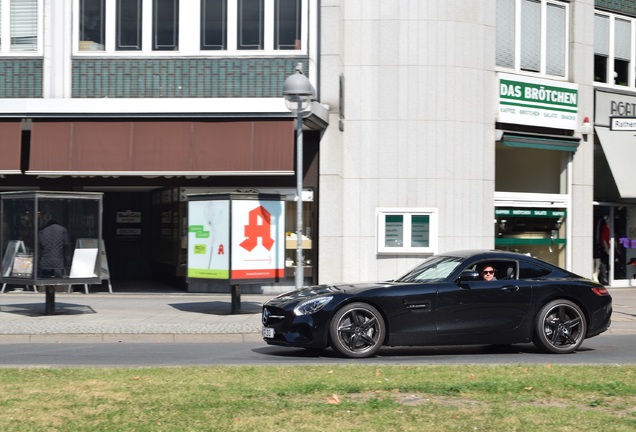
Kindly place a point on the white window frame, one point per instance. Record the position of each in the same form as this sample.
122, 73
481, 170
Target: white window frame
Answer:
5, 44
407, 214
190, 29
544, 36
631, 75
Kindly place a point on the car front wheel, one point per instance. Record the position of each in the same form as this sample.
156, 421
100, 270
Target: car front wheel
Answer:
560, 327
357, 330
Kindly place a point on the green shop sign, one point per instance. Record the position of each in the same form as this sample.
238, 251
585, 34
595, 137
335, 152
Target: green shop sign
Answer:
537, 102
533, 213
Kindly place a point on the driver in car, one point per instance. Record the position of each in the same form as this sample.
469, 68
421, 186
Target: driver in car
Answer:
488, 273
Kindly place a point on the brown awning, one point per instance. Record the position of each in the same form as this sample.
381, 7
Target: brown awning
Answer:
10, 142
162, 147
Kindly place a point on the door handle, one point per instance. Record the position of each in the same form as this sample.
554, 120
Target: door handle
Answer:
510, 288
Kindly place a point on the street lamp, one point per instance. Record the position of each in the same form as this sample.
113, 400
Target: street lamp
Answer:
298, 93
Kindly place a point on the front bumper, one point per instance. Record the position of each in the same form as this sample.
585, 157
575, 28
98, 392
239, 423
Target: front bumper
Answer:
291, 330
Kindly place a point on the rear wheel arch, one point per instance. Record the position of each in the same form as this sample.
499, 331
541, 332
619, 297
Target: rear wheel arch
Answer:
574, 300
560, 326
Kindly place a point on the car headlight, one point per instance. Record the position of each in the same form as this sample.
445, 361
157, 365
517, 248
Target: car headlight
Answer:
310, 306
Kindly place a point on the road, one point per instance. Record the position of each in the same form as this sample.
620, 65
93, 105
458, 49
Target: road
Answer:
604, 349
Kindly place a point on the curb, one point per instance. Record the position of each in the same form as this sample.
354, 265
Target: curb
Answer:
130, 338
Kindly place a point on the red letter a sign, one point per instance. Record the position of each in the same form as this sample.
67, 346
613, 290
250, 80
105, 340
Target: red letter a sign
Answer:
255, 229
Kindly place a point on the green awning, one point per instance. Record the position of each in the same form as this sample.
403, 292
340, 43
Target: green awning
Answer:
540, 142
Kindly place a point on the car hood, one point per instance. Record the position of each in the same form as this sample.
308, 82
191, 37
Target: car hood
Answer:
321, 290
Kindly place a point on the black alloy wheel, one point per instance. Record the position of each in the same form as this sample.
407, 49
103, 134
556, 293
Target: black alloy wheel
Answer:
357, 330
560, 327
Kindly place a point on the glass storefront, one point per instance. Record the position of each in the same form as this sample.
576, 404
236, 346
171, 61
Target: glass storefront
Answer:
615, 244
540, 232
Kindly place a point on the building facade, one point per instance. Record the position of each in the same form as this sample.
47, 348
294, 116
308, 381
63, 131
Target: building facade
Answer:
437, 125
148, 101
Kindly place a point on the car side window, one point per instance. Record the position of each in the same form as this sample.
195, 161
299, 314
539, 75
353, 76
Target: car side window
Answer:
532, 271
509, 270
503, 269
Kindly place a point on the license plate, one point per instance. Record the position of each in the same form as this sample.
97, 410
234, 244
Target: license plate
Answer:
268, 332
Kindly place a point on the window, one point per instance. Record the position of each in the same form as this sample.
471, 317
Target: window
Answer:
128, 25
204, 27
92, 25
213, 24
613, 58
532, 271
165, 25
250, 24
287, 18
407, 230
20, 27
531, 36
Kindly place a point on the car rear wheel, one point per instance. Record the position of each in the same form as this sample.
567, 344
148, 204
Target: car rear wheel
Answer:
560, 327
357, 330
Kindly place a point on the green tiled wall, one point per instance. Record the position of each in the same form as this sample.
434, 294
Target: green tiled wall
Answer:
188, 78
20, 78
627, 7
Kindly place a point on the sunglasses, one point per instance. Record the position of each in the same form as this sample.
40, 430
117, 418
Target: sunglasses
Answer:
488, 272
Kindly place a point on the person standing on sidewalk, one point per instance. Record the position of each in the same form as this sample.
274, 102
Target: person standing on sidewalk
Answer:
55, 250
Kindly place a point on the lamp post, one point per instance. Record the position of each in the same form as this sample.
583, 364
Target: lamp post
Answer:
298, 93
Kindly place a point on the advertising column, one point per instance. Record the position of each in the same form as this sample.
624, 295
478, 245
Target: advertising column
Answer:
236, 239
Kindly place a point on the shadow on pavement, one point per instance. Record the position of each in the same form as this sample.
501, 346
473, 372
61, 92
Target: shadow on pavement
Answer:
430, 351
217, 307
37, 309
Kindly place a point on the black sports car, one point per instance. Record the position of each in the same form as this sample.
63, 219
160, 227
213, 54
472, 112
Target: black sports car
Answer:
445, 301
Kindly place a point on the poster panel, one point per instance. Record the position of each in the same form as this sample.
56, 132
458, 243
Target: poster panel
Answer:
258, 239
208, 239
84, 263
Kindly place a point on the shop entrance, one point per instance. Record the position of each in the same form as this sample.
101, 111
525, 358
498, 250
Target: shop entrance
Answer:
127, 235
615, 244
540, 232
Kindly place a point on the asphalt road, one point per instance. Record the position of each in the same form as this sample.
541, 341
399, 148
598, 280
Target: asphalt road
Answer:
604, 349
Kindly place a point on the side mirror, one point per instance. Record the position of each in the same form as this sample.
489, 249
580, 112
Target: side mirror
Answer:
468, 276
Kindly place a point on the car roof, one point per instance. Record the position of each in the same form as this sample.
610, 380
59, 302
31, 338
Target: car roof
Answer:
483, 253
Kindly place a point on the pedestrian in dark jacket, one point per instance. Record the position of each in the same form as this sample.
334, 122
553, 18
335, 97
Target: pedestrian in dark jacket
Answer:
55, 250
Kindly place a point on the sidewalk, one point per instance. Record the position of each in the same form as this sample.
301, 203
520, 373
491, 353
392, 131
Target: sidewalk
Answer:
170, 317
129, 317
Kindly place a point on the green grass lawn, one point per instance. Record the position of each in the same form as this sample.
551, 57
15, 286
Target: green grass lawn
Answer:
320, 398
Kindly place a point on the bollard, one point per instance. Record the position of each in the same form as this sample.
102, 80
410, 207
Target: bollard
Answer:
236, 299
49, 305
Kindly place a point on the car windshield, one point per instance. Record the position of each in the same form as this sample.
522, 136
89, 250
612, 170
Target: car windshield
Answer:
434, 269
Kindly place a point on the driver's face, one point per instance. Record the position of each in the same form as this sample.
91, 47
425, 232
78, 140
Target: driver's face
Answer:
488, 273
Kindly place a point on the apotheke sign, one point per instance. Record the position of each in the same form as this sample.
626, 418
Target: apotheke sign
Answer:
537, 102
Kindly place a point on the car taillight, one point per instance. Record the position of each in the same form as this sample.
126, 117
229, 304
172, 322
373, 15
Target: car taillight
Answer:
600, 291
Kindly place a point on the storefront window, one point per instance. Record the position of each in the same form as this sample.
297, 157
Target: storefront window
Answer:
291, 242
615, 244
536, 231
